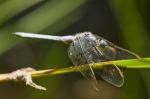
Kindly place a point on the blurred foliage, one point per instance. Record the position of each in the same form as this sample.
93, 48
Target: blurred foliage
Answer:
124, 22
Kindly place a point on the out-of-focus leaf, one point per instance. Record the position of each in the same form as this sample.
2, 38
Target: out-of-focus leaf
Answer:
134, 35
10, 8
48, 14
7, 40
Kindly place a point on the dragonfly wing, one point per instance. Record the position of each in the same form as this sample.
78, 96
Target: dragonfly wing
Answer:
112, 52
112, 73
78, 57
81, 52
88, 48
122, 53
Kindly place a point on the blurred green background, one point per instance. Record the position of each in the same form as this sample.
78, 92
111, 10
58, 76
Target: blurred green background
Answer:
123, 22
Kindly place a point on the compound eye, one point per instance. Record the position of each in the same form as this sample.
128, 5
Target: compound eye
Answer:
86, 34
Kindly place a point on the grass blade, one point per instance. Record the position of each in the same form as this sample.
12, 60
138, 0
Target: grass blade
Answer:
131, 63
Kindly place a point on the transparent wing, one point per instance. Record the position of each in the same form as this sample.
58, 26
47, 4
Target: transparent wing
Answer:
112, 51
80, 54
112, 74
78, 58
89, 48
109, 51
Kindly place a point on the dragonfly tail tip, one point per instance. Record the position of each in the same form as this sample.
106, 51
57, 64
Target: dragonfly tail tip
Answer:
21, 34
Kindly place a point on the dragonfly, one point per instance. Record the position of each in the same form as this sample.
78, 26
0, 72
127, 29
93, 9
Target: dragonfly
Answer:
86, 48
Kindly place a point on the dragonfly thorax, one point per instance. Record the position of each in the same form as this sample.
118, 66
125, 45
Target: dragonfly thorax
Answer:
83, 49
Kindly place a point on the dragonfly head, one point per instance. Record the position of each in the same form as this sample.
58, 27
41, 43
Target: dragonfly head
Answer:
87, 35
